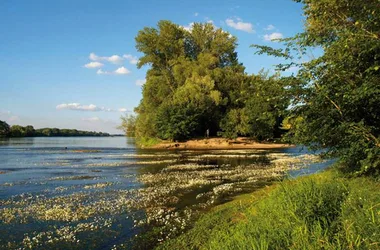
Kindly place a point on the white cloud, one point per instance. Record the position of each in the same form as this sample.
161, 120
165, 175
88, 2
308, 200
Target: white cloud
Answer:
196, 14
91, 119
123, 110
122, 71
273, 36
140, 82
119, 71
269, 27
131, 59
14, 118
102, 72
211, 22
240, 25
93, 65
115, 59
79, 107
94, 57
7, 116
188, 27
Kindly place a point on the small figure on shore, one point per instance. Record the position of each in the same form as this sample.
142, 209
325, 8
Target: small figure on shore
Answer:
207, 133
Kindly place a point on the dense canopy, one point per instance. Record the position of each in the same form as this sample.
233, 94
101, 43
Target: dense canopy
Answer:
336, 96
196, 84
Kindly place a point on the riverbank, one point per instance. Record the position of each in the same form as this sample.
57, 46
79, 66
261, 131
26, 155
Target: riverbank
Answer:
219, 143
321, 211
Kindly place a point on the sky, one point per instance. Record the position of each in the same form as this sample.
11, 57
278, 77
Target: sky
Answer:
72, 63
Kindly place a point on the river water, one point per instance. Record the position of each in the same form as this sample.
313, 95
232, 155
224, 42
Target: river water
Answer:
104, 193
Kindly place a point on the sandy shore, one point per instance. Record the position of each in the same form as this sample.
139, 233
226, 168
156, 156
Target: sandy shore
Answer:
220, 143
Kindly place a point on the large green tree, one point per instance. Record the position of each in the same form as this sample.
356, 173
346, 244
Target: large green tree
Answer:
195, 83
337, 95
188, 83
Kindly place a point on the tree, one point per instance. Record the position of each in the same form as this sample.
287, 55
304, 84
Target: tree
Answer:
337, 95
258, 108
192, 73
4, 129
17, 131
196, 84
128, 125
29, 131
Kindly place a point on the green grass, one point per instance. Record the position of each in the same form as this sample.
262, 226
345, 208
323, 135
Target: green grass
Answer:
147, 141
321, 211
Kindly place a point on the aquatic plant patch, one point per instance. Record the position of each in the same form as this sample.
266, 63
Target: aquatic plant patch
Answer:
148, 201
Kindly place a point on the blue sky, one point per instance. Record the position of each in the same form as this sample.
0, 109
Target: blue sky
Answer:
71, 64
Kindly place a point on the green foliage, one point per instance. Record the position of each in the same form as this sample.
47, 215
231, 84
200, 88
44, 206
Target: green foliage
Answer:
336, 96
67, 132
178, 122
322, 211
29, 131
195, 83
235, 123
18, 131
258, 108
4, 129
147, 141
128, 125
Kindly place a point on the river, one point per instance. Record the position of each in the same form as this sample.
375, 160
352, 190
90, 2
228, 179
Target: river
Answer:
104, 193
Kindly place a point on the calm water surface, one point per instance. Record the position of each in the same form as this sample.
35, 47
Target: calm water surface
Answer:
103, 193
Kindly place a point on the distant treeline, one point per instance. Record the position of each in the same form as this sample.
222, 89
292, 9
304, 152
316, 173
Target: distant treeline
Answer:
29, 131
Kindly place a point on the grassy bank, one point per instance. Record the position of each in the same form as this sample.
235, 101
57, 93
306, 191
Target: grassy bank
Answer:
321, 211
147, 142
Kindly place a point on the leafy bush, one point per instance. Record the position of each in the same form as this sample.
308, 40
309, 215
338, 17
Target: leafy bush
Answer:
178, 122
128, 125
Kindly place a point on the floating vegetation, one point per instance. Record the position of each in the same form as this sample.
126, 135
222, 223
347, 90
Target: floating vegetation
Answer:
72, 178
98, 185
61, 189
226, 156
64, 234
167, 188
159, 193
7, 184
157, 162
110, 164
155, 156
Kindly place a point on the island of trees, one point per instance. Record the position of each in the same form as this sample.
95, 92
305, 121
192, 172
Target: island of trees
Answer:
196, 84
29, 131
